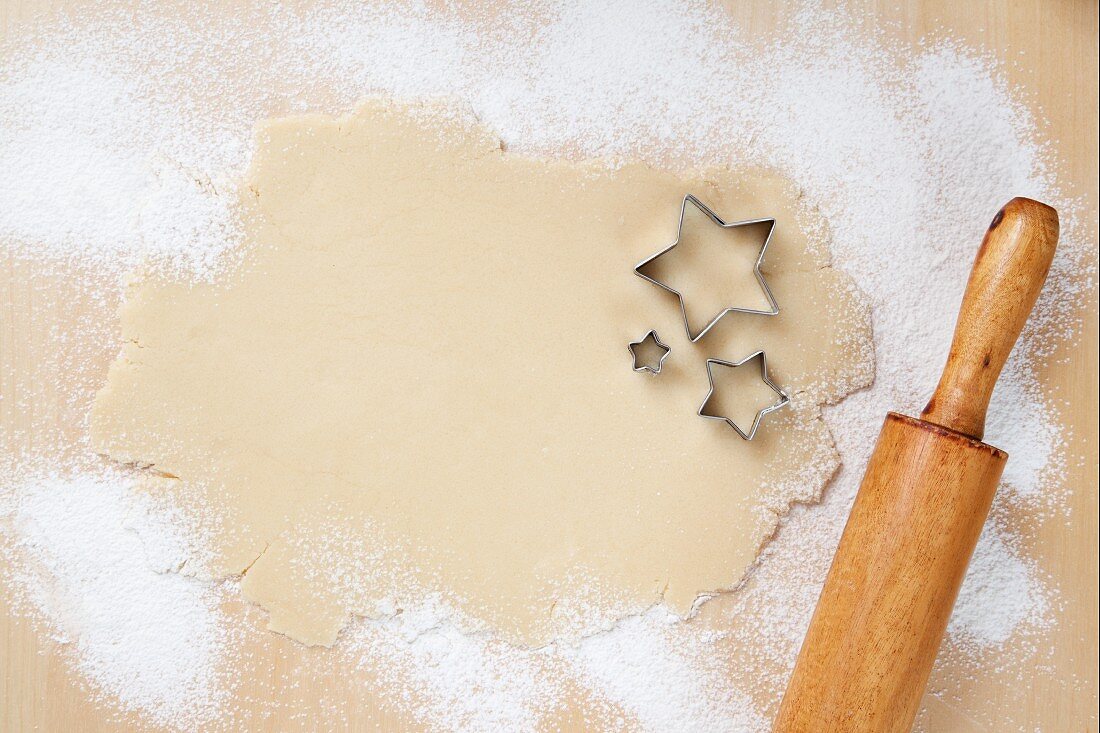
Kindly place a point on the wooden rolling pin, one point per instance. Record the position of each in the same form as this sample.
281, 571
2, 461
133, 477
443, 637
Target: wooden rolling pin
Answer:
876, 630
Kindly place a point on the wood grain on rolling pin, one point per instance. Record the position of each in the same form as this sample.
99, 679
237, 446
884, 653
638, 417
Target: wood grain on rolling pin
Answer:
889, 594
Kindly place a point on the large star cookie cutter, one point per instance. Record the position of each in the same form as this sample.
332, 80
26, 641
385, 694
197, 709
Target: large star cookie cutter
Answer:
691, 199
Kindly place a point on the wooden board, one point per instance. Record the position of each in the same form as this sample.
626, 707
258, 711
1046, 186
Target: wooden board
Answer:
1049, 48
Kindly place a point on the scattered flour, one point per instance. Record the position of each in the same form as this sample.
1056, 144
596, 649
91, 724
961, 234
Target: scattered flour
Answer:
150, 639
447, 679
87, 178
662, 679
1002, 594
122, 136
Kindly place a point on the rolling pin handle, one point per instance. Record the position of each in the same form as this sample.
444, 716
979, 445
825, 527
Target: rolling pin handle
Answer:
1008, 274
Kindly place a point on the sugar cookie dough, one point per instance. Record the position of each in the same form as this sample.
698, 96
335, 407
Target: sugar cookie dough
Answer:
417, 381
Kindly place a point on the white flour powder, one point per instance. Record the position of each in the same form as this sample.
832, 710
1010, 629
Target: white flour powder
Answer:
121, 136
150, 639
1001, 594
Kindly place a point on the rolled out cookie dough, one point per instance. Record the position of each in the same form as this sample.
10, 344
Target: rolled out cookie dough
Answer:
417, 381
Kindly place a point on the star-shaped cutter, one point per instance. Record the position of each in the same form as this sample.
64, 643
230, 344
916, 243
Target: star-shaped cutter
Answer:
690, 198
784, 398
665, 351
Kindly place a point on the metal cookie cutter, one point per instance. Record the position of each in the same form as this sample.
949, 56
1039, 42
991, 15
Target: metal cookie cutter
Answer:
774, 307
648, 366
784, 398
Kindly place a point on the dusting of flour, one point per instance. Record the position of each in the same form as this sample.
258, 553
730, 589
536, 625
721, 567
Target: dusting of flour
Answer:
122, 137
149, 638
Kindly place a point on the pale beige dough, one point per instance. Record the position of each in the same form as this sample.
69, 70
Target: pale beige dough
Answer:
418, 381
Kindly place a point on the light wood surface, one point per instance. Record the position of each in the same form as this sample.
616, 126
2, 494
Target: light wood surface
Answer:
921, 506
1049, 52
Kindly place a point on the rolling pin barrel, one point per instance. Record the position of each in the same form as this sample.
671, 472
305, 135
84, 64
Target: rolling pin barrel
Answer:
918, 513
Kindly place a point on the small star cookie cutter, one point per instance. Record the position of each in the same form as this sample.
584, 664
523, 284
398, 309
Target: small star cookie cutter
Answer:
773, 305
647, 367
784, 398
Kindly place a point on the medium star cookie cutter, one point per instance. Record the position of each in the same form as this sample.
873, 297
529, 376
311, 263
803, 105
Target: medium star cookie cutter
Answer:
773, 305
784, 398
